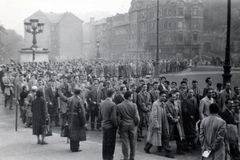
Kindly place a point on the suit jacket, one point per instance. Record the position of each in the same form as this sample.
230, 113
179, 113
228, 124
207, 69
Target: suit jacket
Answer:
154, 95
227, 116
144, 102
183, 94
94, 99
204, 107
190, 108
223, 95
134, 97
104, 93
108, 110
128, 113
173, 112
52, 96
118, 99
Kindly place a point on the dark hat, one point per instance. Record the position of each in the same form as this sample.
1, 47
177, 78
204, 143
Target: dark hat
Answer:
39, 93
77, 91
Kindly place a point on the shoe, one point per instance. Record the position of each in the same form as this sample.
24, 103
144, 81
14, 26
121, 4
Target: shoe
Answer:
93, 129
180, 152
77, 150
139, 140
99, 129
10, 109
38, 142
168, 155
141, 136
147, 151
43, 143
57, 125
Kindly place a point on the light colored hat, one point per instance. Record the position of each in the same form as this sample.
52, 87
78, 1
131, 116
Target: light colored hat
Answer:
34, 88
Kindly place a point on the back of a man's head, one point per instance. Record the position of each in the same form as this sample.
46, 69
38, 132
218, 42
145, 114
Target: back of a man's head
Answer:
214, 108
110, 93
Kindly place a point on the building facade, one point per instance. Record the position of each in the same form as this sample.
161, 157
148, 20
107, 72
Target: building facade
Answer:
62, 35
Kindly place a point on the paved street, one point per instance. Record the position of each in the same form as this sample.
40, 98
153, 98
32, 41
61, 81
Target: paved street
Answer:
21, 145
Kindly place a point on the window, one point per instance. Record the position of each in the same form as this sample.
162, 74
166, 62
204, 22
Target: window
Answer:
180, 25
180, 37
165, 25
195, 37
180, 11
195, 11
195, 25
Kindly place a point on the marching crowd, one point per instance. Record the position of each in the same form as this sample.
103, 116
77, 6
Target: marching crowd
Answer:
113, 97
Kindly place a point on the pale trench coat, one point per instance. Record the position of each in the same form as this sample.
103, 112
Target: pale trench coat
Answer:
158, 119
213, 135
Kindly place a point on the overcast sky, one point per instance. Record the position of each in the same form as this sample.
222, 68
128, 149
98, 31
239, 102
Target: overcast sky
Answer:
13, 12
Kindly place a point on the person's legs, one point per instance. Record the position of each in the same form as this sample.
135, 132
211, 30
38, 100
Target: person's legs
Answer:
38, 139
133, 141
11, 101
165, 144
109, 141
93, 119
124, 132
6, 100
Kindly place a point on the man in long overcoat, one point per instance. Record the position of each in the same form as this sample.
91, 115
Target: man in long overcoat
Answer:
144, 108
175, 127
190, 117
158, 130
76, 121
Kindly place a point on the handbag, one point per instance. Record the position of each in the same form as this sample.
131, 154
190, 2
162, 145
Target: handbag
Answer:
65, 131
46, 130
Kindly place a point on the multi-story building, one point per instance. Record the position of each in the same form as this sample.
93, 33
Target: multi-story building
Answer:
120, 38
180, 28
100, 34
62, 35
138, 28
88, 40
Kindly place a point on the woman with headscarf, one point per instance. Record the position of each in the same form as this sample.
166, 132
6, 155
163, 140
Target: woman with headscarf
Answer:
39, 116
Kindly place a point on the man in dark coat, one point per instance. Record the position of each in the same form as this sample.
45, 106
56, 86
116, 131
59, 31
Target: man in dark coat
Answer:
76, 121
39, 116
52, 102
120, 97
108, 111
94, 100
144, 105
190, 117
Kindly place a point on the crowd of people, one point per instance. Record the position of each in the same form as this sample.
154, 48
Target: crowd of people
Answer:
114, 97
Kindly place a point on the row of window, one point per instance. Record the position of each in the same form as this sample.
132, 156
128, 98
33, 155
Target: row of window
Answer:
179, 38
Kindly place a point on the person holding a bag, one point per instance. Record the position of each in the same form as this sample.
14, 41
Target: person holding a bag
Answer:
76, 120
39, 116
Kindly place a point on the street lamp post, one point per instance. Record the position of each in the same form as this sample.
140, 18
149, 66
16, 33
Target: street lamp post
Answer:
227, 66
98, 53
34, 27
157, 54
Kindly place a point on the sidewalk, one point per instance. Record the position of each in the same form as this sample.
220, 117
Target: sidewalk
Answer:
22, 145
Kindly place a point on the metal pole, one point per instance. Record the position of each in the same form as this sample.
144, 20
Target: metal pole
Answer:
16, 118
227, 66
157, 54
